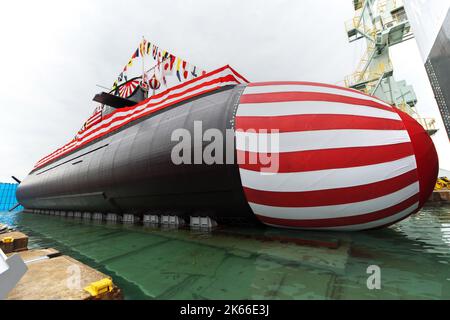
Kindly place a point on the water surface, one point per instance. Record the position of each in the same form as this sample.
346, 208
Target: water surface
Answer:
263, 263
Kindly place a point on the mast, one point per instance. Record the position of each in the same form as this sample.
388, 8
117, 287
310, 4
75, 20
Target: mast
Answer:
142, 48
142, 52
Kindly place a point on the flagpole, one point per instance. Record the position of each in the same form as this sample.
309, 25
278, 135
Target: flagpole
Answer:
142, 56
156, 65
142, 49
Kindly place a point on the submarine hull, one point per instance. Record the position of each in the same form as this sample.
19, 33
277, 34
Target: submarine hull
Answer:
131, 171
338, 160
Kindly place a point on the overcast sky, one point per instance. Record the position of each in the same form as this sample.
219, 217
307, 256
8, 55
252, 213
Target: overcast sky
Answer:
53, 53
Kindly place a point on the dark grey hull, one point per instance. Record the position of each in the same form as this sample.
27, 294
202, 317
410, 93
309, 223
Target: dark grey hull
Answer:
438, 69
130, 171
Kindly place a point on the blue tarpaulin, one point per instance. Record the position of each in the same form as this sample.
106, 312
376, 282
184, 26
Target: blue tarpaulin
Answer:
8, 196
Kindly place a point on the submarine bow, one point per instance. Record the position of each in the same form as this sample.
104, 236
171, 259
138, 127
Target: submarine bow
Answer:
347, 161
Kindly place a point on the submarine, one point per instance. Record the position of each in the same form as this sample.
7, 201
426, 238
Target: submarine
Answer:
303, 155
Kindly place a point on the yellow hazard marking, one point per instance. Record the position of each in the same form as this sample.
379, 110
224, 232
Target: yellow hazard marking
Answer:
99, 287
8, 240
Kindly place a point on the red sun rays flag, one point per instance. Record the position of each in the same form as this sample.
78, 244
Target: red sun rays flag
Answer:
128, 88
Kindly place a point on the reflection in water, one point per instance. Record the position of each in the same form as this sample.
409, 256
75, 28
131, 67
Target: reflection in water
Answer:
265, 263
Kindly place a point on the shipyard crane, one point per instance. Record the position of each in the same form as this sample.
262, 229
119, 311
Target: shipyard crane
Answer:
382, 24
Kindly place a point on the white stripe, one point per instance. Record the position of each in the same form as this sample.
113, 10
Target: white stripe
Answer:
93, 119
317, 140
377, 223
311, 88
365, 226
272, 109
327, 179
337, 211
238, 76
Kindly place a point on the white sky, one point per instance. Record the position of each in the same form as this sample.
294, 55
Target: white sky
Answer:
53, 53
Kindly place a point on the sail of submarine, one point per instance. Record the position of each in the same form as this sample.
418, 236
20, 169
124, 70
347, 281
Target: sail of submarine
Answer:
338, 159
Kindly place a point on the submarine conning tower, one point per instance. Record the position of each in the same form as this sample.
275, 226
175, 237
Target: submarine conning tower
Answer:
307, 155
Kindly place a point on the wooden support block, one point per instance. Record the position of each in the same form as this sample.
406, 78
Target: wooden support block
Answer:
13, 242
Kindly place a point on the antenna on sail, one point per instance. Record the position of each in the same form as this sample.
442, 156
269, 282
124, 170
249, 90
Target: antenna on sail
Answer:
102, 87
144, 42
144, 83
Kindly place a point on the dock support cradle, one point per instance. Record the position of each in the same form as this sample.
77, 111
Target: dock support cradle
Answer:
130, 218
113, 217
150, 218
203, 222
172, 220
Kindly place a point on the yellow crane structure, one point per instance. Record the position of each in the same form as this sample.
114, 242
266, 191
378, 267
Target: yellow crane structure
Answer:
382, 24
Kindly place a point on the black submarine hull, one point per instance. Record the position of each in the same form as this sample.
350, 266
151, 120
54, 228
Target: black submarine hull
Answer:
131, 171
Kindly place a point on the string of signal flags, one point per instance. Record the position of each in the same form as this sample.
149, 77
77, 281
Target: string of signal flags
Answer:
166, 65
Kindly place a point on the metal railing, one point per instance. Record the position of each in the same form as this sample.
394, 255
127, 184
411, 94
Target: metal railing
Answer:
369, 76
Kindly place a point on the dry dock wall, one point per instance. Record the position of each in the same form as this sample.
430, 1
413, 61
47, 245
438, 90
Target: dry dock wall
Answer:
53, 276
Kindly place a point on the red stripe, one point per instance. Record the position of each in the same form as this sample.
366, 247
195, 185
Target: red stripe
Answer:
331, 197
237, 73
343, 221
306, 83
426, 156
65, 147
92, 122
313, 160
96, 116
93, 119
398, 220
311, 122
309, 96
